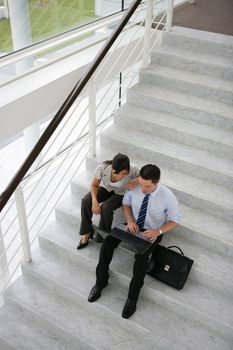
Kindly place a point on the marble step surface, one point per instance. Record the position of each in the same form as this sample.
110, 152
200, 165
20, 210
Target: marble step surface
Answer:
204, 228
200, 41
6, 346
189, 190
184, 131
69, 310
190, 83
181, 104
196, 299
192, 61
196, 219
212, 256
169, 154
25, 331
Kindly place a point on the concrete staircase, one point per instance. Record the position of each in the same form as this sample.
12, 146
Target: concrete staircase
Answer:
179, 117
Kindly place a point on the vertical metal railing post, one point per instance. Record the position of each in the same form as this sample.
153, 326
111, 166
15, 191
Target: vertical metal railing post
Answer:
92, 117
170, 6
120, 75
147, 35
122, 5
4, 272
22, 218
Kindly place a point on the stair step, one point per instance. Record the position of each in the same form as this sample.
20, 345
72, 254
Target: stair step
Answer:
195, 62
76, 269
203, 227
172, 155
187, 82
95, 325
6, 346
25, 331
68, 210
184, 131
181, 104
197, 235
200, 41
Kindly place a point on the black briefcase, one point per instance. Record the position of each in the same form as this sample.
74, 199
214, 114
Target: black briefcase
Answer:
170, 266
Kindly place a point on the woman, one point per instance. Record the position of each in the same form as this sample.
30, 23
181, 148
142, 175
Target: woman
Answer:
110, 180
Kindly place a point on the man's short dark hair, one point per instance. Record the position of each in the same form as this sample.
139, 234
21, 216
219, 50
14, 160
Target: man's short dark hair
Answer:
150, 172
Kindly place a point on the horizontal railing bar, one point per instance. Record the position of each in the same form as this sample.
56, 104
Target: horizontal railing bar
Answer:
80, 138
100, 125
65, 107
59, 39
4, 269
9, 245
55, 60
60, 148
10, 277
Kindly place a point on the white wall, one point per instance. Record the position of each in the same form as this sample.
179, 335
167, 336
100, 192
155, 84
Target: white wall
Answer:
32, 97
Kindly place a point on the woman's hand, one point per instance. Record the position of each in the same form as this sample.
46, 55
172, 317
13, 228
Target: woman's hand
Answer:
132, 184
96, 208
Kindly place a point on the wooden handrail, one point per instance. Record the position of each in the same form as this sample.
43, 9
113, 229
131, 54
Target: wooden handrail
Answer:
7, 193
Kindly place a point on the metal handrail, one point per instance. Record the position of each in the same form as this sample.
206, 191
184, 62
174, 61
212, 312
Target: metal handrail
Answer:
7, 193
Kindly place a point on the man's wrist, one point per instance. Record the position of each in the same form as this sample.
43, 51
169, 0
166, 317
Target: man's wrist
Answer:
129, 220
160, 231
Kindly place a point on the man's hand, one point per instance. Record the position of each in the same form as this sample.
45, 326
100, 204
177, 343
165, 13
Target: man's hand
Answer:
96, 208
132, 227
151, 234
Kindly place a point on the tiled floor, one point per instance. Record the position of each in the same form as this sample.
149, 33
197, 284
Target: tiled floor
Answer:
210, 15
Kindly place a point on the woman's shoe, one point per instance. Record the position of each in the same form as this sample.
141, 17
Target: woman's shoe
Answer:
83, 245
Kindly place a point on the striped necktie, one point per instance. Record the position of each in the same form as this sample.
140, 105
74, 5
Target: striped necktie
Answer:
142, 213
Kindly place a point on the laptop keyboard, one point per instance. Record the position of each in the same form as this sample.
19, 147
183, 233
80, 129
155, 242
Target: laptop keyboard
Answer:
129, 237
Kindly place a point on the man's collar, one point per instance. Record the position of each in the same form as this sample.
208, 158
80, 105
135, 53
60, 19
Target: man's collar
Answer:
154, 193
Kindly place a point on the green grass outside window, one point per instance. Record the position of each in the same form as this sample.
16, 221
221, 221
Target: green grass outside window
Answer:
49, 18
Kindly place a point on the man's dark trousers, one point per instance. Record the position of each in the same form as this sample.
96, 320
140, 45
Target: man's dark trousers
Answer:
139, 270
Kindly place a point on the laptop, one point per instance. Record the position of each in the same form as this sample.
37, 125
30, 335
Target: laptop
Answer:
137, 243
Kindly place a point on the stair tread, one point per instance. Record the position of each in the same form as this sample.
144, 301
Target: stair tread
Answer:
192, 78
187, 76
216, 38
162, 310
6, 345
173, 149
197, 56
182, 99
191, 218
25, 331
75, 315
194, 295
220, 265
175, 122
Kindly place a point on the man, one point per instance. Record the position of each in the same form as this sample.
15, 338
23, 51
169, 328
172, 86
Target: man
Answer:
150, 207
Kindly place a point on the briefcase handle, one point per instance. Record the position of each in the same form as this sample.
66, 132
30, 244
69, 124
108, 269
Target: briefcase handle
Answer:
175, 246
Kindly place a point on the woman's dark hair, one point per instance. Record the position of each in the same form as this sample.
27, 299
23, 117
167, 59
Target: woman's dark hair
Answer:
150, 172
119, 162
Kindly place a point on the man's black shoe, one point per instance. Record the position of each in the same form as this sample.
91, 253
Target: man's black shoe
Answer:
95, 293
129, 308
